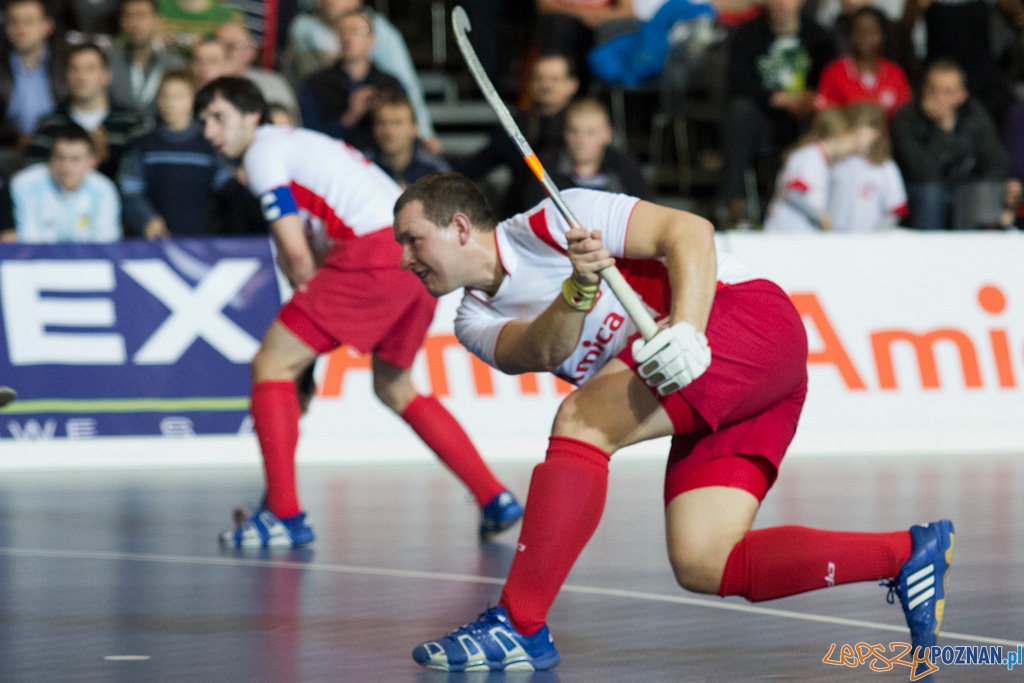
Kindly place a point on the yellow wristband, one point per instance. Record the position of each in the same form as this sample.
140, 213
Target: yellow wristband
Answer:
580, 297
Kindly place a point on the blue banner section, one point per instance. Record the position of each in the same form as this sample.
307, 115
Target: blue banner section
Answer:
135, 338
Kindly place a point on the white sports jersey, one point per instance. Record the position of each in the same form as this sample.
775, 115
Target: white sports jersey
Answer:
339, 194
865, 197
532, 249
805, 173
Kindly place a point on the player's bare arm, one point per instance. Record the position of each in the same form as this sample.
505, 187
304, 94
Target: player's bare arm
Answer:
686, 243
544, 343
293, 252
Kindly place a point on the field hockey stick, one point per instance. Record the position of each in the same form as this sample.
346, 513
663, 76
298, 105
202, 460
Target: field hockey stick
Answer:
623, 292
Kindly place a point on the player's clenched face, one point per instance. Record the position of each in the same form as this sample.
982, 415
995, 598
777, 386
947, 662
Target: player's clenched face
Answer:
228, 130
431, 252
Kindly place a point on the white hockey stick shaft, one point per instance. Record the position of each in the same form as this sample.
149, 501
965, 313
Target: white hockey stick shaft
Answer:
623, 292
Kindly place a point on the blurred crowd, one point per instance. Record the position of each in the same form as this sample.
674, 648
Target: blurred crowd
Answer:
834, 115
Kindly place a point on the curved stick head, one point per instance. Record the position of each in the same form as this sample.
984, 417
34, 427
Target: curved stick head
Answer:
460, 21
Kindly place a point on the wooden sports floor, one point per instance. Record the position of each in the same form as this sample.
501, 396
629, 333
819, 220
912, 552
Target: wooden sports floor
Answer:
116, 577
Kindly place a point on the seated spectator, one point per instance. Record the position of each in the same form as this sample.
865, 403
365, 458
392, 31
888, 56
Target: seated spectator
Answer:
208, 59
947, 149
170, 174
139, 58
111, 127
32, 71
241, 59
864, 75
587, 159
801, 199
397, 148
866, 192
188, 21
65, 200
962, 31
313, 44
775, 61
338, 100
553, 84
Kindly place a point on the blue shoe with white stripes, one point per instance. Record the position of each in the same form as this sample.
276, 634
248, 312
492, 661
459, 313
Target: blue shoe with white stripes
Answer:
502, 512
491, 643
921, 583
263, 529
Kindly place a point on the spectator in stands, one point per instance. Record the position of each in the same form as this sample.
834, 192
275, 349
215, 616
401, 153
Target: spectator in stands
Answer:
397, 148
775, 61
338, 100
864, 75
961, 31
241, 58
801, 199
65, 200
947, 149
587, 159
866, 193
32, 70
208, 59
188, 21
313, 44
171, 174
112, 128
139, 58
553, 84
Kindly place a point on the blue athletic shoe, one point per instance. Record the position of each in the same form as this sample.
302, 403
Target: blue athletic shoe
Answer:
490, 643
264, 530
502, 512
921, 583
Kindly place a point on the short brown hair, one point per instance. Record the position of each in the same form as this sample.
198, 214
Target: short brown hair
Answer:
444, 194
181, 75
393, 99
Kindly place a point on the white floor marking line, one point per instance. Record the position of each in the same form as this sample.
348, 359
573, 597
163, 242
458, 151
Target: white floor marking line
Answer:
127, 658
469, 578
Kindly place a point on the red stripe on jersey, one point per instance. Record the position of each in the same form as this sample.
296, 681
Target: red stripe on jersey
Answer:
318, 206
649, 279
798, 185
539, 225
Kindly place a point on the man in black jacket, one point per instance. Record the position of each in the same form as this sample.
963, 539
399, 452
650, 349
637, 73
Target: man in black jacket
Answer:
946, 146
338, 101
775, 61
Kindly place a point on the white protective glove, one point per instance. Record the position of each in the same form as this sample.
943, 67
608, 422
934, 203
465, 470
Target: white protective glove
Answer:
673, 358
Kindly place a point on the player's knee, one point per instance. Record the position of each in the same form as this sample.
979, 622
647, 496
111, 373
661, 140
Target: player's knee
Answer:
396, 395
698, 566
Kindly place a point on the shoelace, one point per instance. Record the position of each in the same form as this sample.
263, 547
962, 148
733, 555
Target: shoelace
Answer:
894, 590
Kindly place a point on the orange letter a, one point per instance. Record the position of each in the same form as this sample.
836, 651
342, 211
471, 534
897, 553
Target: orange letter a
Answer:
833, 353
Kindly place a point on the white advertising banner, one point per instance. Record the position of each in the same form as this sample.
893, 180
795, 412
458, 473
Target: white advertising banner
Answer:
916, 346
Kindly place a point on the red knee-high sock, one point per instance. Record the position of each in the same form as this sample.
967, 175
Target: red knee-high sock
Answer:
785, 560
275, 413
445, 436
564, 506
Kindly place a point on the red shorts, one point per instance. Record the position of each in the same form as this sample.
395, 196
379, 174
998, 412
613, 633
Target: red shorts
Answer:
383, 311
750, 397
